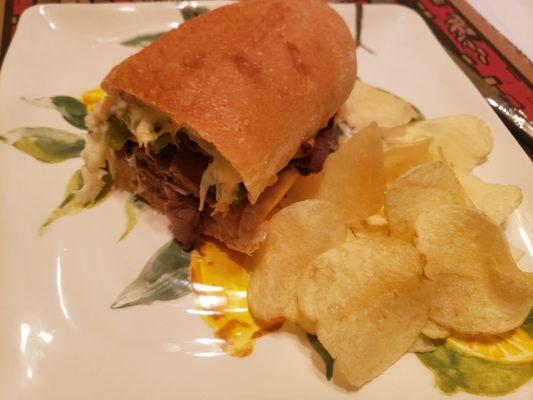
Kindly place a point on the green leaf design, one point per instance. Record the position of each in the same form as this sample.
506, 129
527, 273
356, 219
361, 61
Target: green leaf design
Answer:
142, 40
326, 357
359, 28
164, 277
191, 12
134, 203
358, 23
72, 110
528, 324
455, 371
71, 205
45, 144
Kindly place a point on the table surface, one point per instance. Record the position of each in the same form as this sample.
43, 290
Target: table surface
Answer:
512, 18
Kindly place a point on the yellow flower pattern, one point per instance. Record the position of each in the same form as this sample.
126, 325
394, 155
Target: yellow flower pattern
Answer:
91, 97
219, 284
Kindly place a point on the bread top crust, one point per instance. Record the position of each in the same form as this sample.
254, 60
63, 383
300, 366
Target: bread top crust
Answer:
255, 79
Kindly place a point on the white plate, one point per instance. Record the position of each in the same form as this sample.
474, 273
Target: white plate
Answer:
58, 336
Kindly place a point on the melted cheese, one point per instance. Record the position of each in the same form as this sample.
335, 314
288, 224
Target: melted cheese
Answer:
141, 121
226, 180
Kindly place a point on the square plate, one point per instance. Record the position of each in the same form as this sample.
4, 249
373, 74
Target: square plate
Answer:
58, 336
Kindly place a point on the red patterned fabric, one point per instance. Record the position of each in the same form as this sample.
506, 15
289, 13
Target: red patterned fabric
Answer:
18, 7
478, 53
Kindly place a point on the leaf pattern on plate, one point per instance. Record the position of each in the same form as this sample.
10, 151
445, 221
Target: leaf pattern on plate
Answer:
71, 205
164, 277
359, 29
323, 353
190, 12
142, 40
134, 203
456, 371
45, 144
72, 110
145, 39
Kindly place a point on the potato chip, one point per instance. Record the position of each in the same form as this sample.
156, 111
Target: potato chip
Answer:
463, 141
368, 302
350, 235
516, 252
400, 157
394, 136
296, 235
497, 201
422, 187
433, 330
530, 279
375, 225
353, 178
478, 286
368, 104
422, 344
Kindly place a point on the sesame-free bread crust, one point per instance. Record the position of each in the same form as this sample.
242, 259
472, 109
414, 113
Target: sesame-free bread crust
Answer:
255, 79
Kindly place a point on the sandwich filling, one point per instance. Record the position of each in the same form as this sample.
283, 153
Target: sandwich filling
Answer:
183, 176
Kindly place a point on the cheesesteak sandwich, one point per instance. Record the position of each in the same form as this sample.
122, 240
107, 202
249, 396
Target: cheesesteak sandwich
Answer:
212, 123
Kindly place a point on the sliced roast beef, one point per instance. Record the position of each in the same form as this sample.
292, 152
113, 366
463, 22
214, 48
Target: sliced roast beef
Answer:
314, 153
170, 181
178, 166
185, 219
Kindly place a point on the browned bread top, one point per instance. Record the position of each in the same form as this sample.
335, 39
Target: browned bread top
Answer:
255, 79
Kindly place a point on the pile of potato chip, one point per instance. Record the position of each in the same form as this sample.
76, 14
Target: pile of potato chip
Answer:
394, 243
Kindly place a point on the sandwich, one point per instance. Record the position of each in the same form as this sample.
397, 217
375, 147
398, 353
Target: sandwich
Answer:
213, 122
